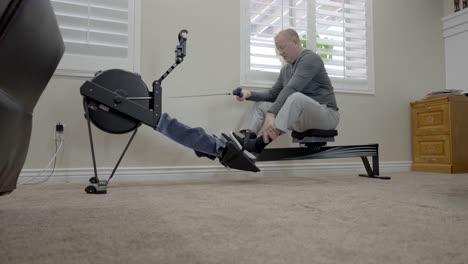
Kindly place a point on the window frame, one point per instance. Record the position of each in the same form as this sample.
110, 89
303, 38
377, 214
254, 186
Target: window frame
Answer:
259, 79
73, 65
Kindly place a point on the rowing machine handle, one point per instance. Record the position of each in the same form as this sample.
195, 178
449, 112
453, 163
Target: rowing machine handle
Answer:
238, 92
182, 46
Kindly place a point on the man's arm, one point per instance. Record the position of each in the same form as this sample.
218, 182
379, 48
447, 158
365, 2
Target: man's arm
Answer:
307, 68
269, 95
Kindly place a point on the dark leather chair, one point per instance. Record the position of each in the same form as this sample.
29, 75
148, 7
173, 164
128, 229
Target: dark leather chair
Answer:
31, 47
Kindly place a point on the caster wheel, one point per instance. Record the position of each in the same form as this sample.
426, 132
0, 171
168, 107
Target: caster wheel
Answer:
93, 180
90, 189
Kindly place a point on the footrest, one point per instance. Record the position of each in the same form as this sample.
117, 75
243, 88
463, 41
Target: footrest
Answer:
234, 157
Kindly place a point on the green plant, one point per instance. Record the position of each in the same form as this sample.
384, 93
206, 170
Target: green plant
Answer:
325, 47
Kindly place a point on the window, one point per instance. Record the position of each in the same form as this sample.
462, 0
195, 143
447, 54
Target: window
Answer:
98, 35
338, 30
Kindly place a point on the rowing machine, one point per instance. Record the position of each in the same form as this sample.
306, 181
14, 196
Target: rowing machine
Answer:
118, 102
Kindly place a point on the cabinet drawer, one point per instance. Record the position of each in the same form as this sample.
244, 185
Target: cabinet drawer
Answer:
432, 149
431, 119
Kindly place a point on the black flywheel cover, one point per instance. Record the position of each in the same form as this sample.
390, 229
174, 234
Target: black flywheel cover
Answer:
124, 83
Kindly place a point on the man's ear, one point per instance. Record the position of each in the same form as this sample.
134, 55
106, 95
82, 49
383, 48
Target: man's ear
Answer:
297, 41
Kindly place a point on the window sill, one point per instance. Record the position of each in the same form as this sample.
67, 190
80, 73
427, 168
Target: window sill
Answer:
74, 73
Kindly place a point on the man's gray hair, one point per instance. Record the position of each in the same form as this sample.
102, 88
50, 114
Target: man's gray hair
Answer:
289, 33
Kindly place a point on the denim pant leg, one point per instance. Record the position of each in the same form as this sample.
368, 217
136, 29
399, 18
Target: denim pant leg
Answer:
193, 138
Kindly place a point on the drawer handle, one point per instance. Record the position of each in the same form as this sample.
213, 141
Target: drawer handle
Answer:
430, 119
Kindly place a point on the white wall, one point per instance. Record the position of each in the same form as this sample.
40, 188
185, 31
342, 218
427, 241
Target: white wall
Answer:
409, 62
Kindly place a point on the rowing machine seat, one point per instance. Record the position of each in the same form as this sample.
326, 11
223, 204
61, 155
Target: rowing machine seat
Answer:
314, 135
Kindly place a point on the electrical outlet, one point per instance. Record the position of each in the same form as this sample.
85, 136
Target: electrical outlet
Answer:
59, 127
59, 131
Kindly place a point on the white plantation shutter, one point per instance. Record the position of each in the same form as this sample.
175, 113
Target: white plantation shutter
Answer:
98, 34
342, 40
338, 30
267, 18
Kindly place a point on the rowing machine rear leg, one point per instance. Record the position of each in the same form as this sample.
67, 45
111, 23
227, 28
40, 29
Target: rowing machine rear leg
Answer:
372, 172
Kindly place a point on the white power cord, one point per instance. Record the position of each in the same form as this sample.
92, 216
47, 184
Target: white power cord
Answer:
58, 138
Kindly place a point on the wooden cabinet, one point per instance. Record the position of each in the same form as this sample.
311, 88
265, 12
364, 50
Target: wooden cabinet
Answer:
440, 134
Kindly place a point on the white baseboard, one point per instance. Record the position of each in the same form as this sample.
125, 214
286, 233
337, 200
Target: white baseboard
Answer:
82, 175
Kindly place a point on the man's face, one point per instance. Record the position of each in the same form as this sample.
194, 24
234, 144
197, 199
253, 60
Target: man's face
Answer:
287, 48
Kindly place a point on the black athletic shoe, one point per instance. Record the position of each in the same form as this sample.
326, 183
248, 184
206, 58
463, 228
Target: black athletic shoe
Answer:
248, 133
201, 155
234, 158
245, 144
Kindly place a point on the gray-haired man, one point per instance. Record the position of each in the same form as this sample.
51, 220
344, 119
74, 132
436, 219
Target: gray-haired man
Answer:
302, 98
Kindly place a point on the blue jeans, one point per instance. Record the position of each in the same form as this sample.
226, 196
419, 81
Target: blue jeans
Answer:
193, 138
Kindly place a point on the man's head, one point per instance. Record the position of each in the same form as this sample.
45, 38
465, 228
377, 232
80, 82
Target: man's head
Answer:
289, 45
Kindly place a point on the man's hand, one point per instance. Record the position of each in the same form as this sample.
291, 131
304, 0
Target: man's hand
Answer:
245, 94
270, 132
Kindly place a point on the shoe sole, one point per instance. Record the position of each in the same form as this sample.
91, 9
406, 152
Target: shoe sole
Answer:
239, 145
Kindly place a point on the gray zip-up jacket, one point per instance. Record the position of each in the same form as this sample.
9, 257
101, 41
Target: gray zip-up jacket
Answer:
306, 75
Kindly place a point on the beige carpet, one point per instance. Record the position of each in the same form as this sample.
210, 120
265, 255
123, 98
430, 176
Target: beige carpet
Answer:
413, 218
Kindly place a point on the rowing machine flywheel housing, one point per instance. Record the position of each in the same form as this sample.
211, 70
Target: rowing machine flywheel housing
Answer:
124, 84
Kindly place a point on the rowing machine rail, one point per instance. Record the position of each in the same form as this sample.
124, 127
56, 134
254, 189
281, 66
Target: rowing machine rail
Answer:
327, 152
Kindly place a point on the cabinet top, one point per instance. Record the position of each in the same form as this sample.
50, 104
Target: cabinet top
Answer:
455, 23
443, 98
